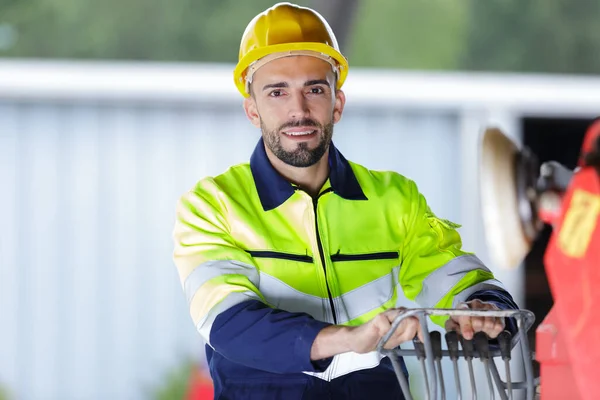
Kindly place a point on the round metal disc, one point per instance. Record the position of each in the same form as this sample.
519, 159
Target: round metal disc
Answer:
506, 238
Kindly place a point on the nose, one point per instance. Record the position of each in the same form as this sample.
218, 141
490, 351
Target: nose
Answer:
298, 107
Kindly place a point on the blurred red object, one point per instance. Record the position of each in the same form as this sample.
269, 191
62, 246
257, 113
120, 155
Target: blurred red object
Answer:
201, 387
567, 340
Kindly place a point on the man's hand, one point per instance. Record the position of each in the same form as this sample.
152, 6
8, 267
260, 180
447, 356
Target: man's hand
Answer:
467, 326
364, 338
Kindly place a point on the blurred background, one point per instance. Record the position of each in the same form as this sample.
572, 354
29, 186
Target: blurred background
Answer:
110, 110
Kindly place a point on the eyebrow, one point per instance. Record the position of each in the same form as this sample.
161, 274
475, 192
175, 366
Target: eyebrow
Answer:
317, 82
285, 84
275, 85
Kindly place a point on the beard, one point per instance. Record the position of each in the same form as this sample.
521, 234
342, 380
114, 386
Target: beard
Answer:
302, 156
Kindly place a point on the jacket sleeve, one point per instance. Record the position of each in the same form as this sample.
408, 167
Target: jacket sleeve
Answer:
221, 284
436, 272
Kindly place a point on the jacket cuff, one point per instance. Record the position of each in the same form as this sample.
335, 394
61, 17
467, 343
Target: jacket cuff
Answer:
304, 343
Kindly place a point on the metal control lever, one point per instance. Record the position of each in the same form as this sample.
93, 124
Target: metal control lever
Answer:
452, 343
468, 351
481, 341
420, 349
436, 343
504, 342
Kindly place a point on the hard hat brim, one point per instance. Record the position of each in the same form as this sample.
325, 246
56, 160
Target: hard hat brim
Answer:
239, 72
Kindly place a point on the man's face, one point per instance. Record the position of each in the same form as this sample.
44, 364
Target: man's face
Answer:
295, 104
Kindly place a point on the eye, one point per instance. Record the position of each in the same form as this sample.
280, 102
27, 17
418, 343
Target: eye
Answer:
275, 93
317, 90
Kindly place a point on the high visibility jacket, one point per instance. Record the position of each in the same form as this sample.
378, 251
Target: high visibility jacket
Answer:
265, 267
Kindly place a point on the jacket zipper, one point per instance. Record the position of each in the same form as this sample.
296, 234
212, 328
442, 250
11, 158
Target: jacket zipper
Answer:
280, 255
386, 255
322, 254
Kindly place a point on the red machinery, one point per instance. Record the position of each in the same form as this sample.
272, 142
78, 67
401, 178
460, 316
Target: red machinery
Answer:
568, 345
517, 199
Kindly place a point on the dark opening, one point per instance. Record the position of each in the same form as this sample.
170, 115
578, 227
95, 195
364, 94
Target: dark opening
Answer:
557, 139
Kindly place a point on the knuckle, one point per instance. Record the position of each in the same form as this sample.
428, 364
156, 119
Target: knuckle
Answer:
380, 318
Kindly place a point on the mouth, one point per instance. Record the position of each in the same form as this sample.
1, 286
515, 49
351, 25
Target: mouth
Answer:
300, 132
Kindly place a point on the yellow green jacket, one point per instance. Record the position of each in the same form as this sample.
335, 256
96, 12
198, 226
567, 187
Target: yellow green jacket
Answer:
265, 266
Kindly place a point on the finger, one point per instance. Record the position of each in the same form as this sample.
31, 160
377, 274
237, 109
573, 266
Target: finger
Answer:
408, 330
392, 314
382, 324
466, 322
466, 327
452, 325
488, 324
497, 327
477, 323
405, 332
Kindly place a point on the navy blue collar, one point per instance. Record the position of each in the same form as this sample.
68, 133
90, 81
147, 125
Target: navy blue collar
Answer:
274, 190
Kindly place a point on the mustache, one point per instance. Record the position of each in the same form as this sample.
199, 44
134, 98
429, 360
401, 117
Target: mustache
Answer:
300, 122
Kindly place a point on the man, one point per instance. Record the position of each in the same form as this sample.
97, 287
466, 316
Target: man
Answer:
293, 264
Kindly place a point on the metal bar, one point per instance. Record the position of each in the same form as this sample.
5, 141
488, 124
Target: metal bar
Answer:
486, 364
472, 379
436, 343
457, 380
441, 376
400, 375
499, 383
429, 355
468, 347
519, 385
425, 380
445, 353
509, 382
481, 342
420, 348
526, 355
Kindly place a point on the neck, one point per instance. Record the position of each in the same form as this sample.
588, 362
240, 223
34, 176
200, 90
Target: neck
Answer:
310, 179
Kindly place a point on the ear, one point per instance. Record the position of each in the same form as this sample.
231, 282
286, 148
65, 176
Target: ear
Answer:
252, 111
338, 106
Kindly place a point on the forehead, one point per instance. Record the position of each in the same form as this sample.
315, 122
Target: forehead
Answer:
292, 68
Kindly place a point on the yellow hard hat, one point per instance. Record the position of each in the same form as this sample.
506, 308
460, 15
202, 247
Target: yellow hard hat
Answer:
286, 30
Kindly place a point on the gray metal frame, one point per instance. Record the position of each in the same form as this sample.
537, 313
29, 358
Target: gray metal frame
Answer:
524, 320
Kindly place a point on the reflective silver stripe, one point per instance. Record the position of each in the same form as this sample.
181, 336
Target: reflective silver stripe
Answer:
443, 279
205, 324
349, 306
346, 363
365, 298
490, 284
281, 295
211, 269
